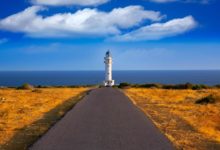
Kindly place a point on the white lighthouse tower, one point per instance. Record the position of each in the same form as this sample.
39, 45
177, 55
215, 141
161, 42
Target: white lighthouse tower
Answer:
108, 70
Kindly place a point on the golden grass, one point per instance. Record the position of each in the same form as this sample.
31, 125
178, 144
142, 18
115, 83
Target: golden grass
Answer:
27, 114
186, 124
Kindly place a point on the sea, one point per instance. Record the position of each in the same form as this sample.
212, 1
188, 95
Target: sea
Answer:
71, 78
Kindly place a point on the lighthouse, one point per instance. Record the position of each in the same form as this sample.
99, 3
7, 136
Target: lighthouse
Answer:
108, 69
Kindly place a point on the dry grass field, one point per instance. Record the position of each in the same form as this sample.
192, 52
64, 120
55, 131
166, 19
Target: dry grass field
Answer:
26, 114
188, 125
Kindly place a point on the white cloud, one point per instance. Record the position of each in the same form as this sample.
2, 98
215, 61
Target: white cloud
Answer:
69, 2
120, 24
185, 1
85, 22
159, 30
4, 40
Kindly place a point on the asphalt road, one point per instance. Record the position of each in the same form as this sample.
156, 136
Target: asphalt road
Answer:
104, 120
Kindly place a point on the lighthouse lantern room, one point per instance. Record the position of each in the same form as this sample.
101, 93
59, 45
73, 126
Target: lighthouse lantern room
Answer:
108, 69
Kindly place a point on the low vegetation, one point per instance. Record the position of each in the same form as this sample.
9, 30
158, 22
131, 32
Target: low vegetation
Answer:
27, 113
189, 118
207, 100
124, 85
168, 86
26, 86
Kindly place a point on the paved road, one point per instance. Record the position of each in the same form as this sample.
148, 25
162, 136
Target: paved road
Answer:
104, 120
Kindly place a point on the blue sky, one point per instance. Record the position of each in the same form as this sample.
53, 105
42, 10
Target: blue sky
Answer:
142, 34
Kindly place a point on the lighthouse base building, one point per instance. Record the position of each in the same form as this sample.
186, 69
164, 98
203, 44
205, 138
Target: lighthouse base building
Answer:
108, 70
109, 83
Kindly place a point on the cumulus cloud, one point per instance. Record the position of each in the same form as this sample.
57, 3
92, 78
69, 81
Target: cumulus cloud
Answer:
120, 24
69, 2
159, 30
185, 1
85, 22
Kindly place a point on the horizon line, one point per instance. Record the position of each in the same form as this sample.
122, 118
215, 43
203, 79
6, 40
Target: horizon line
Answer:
112, 70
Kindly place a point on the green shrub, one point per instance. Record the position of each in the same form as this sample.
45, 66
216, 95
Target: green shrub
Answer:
37, 91
101, 86
151, 85
206, 100
168, 86
26, 86
39, 86
188, 86
124, 85
115, 86
197, 87
200, 86
217, 86
183, 86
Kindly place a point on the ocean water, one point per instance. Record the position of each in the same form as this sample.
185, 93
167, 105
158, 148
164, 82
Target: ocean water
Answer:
56, 78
